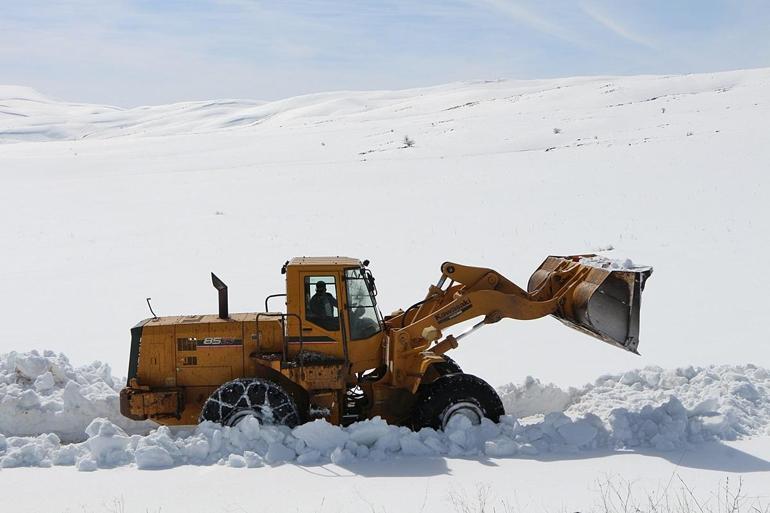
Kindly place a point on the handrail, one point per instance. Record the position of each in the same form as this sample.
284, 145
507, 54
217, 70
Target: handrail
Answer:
285, 342
270, 297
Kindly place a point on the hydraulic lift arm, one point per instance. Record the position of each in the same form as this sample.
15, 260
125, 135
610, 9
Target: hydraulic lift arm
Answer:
585, 292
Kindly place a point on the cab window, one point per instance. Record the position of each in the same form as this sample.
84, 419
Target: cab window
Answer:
362, 307
321, 302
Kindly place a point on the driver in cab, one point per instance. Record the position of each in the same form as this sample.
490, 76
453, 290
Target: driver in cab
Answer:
322, 306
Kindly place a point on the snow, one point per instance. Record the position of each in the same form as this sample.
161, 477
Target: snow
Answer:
154, 198
651, 408
44, 393
561, 482
731, 401
532, 397
612, 264
103, 207
321, 435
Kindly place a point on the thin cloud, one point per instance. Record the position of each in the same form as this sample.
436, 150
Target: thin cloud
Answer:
518, 12
135, 53
615, 26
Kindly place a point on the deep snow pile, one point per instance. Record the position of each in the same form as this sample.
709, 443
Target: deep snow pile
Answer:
652, 407
730, 401
44, 393
249, 444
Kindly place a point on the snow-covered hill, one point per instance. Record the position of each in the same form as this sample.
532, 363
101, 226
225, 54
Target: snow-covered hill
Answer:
118, 205
102, 207
588, 110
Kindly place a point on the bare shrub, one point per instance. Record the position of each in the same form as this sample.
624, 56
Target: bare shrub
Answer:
480, 501
617, 495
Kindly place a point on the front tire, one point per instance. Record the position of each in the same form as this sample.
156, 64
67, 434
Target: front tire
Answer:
250, 397
456, 394
449, 366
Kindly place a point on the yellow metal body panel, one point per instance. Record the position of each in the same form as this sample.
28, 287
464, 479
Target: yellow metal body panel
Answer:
156, 360
197, 354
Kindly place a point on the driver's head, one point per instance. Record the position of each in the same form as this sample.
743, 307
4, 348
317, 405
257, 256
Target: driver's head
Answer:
320, 286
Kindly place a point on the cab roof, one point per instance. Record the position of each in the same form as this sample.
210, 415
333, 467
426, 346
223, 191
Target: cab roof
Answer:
327, 260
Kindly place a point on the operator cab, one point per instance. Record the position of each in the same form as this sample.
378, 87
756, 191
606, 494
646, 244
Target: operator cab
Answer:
333, 310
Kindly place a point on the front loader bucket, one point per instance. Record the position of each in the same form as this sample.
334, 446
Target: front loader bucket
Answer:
601, 297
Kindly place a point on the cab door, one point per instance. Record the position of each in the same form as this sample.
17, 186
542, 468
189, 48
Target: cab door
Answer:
322, 329
364, 326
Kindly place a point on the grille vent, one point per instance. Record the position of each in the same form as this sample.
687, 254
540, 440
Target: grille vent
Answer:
186, 344
190, 360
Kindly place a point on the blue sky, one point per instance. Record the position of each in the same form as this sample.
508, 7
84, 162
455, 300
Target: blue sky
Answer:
131, 53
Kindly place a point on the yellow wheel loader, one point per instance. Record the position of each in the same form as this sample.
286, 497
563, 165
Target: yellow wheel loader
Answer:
332, 355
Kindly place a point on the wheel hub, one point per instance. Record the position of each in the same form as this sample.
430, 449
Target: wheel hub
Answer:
467, 409
239, 415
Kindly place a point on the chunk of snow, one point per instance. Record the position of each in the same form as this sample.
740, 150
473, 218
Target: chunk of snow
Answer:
29, 365
86, 464
532, 397
321, 435
501, 448
153, 457
44, 382
252, 459
279, 453
236, 461
579, 434
367, 432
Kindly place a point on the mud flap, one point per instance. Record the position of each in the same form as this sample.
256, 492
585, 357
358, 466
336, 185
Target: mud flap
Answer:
604, 304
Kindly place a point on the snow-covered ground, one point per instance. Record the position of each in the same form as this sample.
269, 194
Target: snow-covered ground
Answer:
647, 428
102, 207
555, 484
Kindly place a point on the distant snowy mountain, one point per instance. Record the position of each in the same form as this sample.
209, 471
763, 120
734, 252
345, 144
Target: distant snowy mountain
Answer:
576, 105
26, 115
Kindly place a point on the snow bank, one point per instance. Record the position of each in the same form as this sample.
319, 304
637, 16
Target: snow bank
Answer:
44, 393
250, 444
533, 398
730, 401
647, 408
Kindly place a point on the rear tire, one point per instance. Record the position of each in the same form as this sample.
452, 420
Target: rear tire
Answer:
456, 394
250, 397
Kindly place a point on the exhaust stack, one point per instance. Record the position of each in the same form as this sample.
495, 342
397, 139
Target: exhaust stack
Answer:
222, 288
